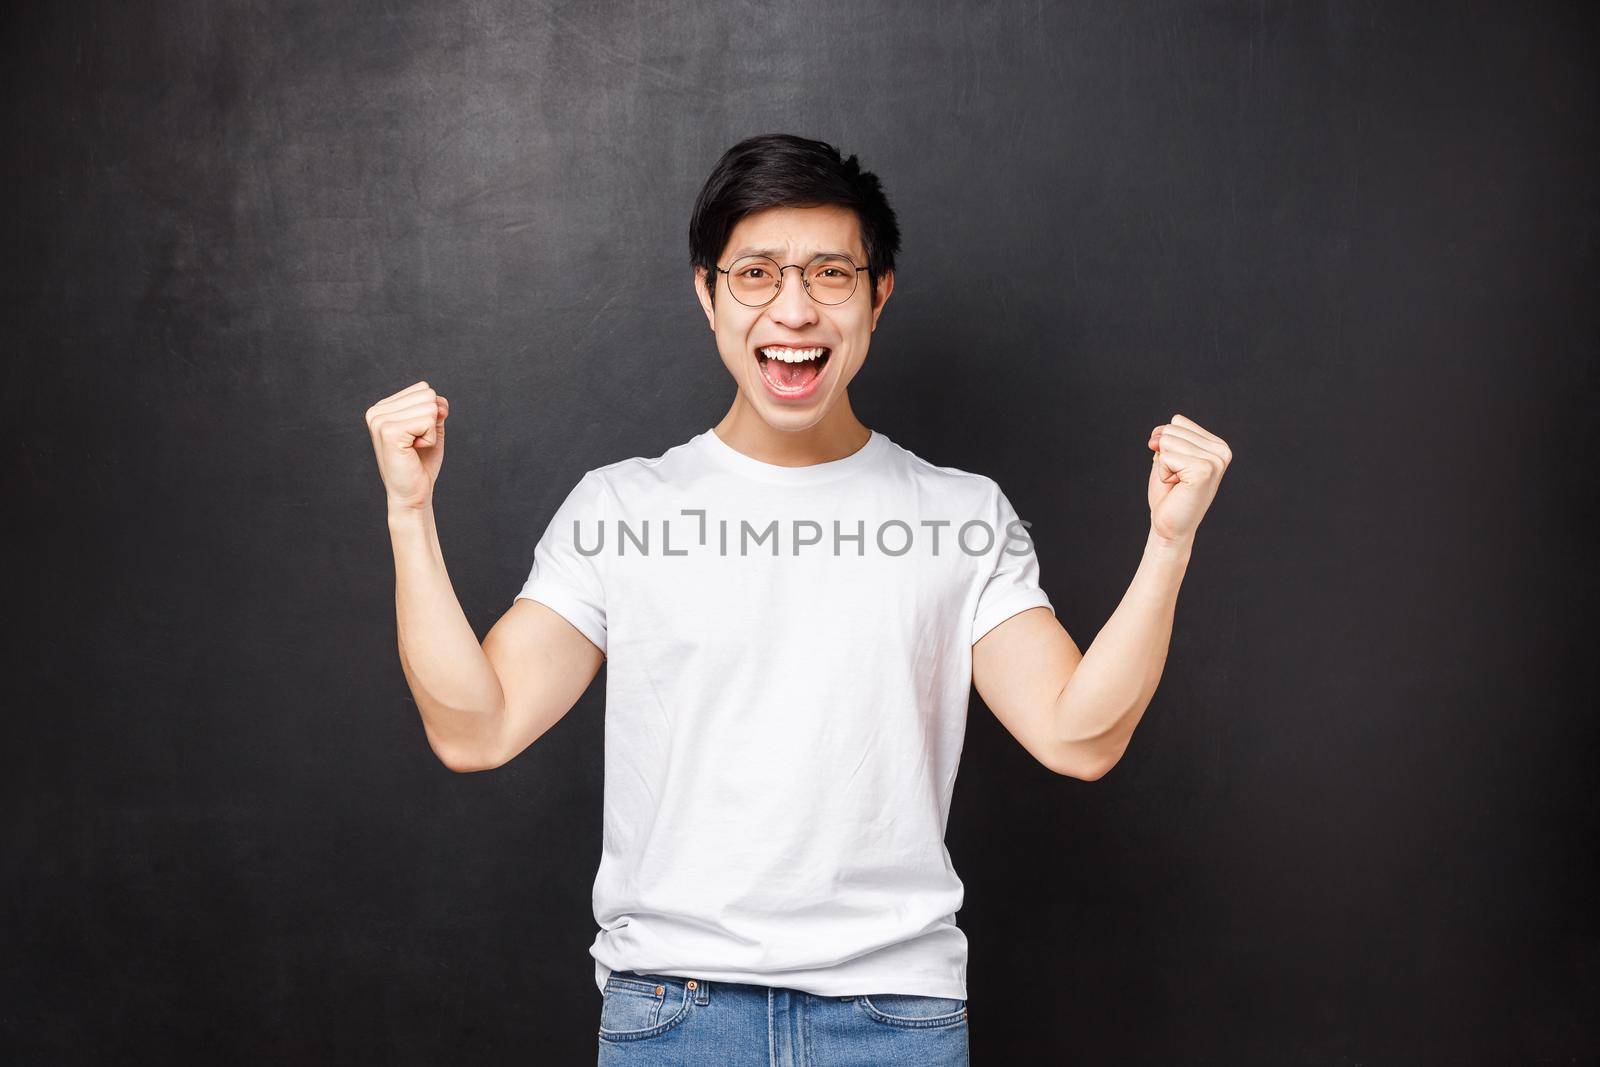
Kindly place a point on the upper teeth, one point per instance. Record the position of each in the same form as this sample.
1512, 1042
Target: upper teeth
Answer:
792, 355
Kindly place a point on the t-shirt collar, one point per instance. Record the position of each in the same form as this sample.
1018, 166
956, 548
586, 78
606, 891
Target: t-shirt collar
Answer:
725, 455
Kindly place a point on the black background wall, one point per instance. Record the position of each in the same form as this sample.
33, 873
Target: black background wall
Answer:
1359, 241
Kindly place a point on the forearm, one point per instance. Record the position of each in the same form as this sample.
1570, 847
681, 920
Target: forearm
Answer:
455, 686
1101, 704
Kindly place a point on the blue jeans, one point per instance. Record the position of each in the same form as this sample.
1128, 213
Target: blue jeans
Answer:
653, 1020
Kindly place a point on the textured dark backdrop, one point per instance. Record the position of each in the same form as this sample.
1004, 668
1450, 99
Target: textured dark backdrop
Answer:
1358, 241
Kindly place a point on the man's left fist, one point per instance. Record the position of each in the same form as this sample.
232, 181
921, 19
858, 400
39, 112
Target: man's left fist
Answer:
1188, 466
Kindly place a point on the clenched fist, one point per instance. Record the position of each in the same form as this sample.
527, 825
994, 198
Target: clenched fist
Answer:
408, 435
1185, 471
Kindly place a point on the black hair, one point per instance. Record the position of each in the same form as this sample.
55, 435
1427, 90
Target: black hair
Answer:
782, 170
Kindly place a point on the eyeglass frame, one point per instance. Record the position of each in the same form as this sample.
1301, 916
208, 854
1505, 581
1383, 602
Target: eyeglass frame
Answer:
778, 291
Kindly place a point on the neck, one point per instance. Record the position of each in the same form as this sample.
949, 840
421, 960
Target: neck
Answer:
838, 435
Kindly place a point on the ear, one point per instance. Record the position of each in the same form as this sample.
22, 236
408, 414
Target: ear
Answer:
881, 296
705, 298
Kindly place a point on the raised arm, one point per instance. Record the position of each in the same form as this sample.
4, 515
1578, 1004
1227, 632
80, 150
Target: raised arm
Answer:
481, 705
1077, 712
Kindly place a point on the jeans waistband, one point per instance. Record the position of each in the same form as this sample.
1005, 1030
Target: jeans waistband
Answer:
701, 987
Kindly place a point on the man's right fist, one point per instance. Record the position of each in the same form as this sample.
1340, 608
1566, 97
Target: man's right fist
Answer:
408, 435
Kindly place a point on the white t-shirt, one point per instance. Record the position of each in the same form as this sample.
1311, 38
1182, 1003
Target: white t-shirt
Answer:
782, 731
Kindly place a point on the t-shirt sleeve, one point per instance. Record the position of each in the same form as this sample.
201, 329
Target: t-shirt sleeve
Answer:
563, 577
1013, 580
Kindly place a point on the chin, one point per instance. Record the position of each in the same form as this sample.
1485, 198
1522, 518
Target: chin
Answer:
789, 419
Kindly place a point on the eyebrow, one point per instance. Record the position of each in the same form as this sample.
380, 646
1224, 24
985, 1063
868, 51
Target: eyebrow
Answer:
773, 253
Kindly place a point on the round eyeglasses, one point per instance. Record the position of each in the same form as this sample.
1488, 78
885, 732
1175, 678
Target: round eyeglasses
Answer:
755, 281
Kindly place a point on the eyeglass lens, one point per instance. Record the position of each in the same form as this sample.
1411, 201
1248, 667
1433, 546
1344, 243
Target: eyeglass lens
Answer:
754, 280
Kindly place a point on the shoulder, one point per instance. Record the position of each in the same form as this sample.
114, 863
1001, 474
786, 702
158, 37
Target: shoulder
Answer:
944, 481
627, 478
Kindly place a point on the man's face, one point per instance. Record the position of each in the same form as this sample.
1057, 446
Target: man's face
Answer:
786, 394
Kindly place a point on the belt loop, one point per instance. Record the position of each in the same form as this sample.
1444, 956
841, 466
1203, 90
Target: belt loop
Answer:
702, 991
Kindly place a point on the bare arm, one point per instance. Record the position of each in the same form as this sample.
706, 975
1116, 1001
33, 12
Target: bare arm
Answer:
481, 705
1077, 713
544, 664
455, 686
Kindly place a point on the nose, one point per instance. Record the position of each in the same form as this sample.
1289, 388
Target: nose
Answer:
793, 306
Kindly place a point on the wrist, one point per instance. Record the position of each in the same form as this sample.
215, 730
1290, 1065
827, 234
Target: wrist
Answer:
407, 516
1180, 548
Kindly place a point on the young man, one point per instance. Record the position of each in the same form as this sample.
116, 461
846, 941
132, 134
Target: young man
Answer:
793, 609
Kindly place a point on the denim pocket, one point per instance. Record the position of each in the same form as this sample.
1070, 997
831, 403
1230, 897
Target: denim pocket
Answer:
913, 1010
635, 1007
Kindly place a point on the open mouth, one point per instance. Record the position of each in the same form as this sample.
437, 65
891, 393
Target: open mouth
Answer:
791, 371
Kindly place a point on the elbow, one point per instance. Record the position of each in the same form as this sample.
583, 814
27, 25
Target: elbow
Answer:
1094, 773
1082, 772
464, 760
459, 762
468, 751
1084, 766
